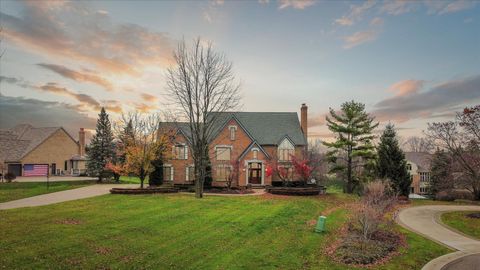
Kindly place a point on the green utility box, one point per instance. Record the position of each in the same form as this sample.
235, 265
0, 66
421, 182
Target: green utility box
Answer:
321, 224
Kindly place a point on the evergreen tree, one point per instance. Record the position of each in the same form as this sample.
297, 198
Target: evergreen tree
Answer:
126, 137
392, 163
441, 178
101, 148
353, 150
156, 176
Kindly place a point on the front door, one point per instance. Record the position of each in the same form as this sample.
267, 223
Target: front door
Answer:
54, 169
255, 173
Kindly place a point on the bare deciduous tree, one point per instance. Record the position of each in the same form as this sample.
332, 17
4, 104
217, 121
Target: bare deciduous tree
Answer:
201, 84
419, 144
461, 139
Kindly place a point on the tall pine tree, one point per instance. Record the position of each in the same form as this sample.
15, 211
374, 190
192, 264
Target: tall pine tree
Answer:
441, 172
353, 151
101, 148
392, 163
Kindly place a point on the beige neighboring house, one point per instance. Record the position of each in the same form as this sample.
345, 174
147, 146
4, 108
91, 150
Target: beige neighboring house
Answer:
418, 165
28, 151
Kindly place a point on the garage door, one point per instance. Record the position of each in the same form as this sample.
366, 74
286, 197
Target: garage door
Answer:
15, 169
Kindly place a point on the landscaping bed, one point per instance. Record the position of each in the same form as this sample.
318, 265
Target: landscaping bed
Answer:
297, 191
229, 191
352, 249
149, 190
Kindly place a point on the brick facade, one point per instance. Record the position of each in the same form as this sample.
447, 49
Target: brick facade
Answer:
242, 149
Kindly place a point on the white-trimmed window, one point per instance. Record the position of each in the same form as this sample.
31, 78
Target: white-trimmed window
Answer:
424, 177
409, 166
222, 172
223, 152
190, 173
255, 153
168, 173
286, 150
233, 131
180, 151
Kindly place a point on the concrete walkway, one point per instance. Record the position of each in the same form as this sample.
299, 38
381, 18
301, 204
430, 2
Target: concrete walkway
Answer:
425, 220
63, 196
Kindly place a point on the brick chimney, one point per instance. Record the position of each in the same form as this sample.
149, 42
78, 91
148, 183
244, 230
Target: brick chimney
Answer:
81, 142
303, 119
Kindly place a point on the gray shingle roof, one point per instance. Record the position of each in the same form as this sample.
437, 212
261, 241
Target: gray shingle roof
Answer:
422, 160
267, 128
17, 142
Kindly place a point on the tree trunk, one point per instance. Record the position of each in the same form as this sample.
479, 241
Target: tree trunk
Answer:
349, 188
201, 171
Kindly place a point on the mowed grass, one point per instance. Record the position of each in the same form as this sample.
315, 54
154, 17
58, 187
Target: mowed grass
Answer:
181, 232
459, 221
18, 190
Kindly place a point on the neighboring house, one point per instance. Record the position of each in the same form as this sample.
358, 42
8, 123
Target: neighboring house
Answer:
29, 151
418, 165
252, 139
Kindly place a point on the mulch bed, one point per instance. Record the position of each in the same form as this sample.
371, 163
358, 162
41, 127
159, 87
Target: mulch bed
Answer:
295, 191
134, 191
474, 215
228, 191
350, 249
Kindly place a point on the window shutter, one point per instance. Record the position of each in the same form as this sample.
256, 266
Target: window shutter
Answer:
186, 174
173, 152
171, 173
186, 151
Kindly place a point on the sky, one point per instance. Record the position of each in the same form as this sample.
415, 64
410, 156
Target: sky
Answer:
409, 62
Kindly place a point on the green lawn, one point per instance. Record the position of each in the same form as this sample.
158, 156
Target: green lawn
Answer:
459, 221
17, 190
181, 232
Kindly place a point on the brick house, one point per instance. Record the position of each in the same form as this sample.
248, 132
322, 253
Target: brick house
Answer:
24, 148
418, 165
252, 139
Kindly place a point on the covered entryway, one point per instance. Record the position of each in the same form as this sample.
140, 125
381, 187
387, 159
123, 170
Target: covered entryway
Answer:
255, 174
15, 169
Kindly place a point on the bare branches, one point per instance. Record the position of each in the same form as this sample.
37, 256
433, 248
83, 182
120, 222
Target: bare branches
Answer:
419, 144
201, 85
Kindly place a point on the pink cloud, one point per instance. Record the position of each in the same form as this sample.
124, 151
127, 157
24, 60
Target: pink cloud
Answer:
406, 87
359, 38
295, 4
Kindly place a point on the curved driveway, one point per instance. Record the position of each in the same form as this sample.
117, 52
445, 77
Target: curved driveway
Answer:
424, 220
63, 196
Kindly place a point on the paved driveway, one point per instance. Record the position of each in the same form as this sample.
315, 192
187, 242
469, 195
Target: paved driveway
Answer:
62, 196
52, 178
425, 221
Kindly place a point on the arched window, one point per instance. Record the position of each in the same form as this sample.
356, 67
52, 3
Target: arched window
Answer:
285, 150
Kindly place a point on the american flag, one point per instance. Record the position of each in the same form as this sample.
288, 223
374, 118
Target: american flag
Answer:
35, 170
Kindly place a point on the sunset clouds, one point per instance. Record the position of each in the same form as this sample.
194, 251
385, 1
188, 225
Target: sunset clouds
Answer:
73, 31
406, 87
436, 101
78, 76
77, 56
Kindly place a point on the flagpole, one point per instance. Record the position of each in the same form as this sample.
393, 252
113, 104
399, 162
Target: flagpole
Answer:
48, 170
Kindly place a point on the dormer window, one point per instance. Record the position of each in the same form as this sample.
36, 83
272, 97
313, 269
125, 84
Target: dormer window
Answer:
285, 150
233, 130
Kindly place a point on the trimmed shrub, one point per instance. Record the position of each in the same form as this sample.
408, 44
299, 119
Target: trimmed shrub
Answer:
9, 177
454, 194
